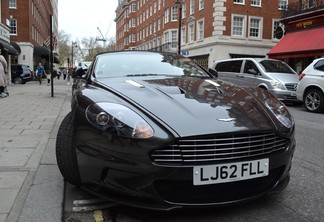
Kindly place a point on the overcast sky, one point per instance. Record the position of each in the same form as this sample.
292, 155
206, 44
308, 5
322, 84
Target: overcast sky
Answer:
81, 18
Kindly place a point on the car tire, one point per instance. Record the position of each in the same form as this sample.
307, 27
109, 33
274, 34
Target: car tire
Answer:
65, 151
314, 101
17, 80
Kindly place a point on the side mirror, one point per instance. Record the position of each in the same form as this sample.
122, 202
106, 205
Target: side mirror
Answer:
252, 71
213, 72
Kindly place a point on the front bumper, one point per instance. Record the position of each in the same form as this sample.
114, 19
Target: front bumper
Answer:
285, 95
134, 181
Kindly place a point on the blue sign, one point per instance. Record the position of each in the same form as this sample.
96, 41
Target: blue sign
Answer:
184, 52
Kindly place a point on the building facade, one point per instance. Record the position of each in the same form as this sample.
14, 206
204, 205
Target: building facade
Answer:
30, 25
303, 39
8, 48
209, 30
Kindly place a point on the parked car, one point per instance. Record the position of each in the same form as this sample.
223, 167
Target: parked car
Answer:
20, 74
310, 89
273, 75
154, 130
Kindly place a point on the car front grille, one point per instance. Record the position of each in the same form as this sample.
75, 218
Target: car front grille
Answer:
291, 86
209, 149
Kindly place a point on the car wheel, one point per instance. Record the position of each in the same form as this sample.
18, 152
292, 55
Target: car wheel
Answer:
314, 101
17, 80
65, 151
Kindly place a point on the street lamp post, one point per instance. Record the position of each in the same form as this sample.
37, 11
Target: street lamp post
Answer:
74, 44
179, 5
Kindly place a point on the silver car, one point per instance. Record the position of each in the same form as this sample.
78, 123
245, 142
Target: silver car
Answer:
273, 75
310, 89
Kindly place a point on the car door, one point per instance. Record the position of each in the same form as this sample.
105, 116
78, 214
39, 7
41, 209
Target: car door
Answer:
251, 75
230, 70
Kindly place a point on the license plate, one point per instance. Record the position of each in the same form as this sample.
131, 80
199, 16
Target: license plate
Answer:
230, 172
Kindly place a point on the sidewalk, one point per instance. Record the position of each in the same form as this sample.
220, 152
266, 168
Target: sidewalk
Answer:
31, 186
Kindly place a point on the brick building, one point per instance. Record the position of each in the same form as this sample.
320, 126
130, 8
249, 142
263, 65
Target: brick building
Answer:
29, 26
210, 29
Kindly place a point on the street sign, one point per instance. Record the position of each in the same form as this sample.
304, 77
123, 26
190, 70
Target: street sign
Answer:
184, 52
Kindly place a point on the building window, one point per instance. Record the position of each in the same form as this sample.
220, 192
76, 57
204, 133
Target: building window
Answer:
159, 24
192, 7
12, 4
174, 39
191, 32
255, 28
134, 37
134, 22
242, 2
155, 6
134, 7
166, 15
166, 37
283, 4
200, 30
183, 36
256, 3
174, 15
201, 4
184, 10
13, 27
238, 26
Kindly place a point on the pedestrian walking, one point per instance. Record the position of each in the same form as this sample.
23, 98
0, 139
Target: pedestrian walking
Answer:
3, 76
64, 73
40, 71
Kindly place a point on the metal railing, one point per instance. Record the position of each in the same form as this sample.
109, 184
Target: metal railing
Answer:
301, 7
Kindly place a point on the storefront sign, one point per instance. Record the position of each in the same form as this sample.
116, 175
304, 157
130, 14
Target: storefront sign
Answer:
304, 24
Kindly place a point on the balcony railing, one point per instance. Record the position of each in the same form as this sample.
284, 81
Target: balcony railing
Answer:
301, 7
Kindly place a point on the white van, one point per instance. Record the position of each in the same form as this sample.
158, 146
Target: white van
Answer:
273, 75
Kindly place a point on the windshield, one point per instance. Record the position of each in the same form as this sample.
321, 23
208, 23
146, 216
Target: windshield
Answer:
276, 66
122, 64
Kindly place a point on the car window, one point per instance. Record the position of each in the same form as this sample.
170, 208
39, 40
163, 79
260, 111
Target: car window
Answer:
150, 64
251, 68
319, 65
276, 66
229, 66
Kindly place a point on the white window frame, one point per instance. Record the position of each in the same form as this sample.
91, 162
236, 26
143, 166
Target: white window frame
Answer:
134, 7
243, 29
166, 37
183, 36
184, 10
200, 30
259, 28
174, 13
174, 39
166, 15
191, 32
256, 3
192, 7
201, 5
12, 3
275, 24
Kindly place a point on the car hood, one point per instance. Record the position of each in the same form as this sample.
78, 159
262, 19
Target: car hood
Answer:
194, 106
286, 78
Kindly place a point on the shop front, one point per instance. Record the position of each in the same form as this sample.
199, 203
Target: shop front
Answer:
303, 40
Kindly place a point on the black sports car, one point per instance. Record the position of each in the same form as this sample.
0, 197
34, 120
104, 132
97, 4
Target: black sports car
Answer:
155, 130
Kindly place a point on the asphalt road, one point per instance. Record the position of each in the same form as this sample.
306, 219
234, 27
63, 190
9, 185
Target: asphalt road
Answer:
302, 200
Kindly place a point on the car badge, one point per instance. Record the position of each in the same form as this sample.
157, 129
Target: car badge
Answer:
227, 119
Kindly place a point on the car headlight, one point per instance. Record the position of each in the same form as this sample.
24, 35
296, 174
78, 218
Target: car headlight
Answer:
118, 120
278, 85
280, 111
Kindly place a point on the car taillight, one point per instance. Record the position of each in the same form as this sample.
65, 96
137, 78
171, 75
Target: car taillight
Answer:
301, 76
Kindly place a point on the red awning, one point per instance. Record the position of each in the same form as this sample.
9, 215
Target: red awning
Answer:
300, 44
